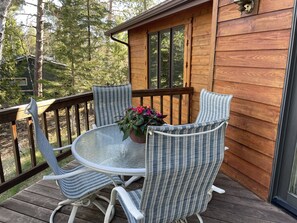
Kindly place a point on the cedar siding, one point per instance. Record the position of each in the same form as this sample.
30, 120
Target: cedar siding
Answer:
246, 57
250, 63
197, 21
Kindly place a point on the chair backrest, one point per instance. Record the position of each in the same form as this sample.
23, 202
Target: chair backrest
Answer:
213, 106
180, 170
110, 102
43, 144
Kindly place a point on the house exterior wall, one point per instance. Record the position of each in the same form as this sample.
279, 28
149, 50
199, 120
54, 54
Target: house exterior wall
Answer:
250, 63
250, 56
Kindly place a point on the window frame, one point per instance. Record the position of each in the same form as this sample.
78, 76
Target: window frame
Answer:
171, 66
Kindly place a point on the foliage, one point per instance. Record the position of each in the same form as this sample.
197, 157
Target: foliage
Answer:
171, 46
74, 36
12, 47
138, 118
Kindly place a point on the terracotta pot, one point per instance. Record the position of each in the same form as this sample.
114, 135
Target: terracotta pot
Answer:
137, 139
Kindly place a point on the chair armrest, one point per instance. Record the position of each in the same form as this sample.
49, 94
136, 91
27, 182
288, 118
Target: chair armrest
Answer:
127, 200
63, 147
71, 174
217, 189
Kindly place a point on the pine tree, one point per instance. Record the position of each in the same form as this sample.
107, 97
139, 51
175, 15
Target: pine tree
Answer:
3, 12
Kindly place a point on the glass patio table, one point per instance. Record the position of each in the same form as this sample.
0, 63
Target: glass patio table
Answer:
103, 150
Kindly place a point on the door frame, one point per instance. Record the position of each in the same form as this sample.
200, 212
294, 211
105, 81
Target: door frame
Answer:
284, 118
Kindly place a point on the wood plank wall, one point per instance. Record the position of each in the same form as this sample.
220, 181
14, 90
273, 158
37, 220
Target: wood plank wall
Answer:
199, 20
250, 63
200, 63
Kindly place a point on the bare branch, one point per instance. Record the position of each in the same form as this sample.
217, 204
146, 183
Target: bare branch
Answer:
28, 3
26, 14
22, 24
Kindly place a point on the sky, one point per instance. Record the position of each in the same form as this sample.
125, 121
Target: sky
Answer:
30, 9
27, 9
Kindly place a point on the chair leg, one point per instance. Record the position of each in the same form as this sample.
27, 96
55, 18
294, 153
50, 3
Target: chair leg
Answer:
199, 218
60, 205
109, 213
103, 209
73, 213
131, 180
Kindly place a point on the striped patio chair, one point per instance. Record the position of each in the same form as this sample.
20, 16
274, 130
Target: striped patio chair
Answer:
110, 102
79, 185
213, 106
182, 163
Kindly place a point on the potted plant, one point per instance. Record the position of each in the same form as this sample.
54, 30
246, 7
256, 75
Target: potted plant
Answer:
135, 121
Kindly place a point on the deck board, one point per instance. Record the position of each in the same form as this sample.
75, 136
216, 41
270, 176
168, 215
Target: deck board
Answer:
237, 205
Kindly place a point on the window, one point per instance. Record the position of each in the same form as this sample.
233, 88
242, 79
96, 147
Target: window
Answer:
166, 58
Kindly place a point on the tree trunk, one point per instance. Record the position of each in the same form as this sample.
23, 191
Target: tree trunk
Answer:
3, 12
39, 49
110, 10
72, 75
89, 31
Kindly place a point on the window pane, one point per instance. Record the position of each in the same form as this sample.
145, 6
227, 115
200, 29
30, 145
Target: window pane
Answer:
178, 56
153, 61
164, 59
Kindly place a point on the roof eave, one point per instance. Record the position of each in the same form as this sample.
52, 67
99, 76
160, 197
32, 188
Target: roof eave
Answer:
155, 13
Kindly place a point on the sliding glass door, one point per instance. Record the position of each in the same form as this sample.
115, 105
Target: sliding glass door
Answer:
284, 187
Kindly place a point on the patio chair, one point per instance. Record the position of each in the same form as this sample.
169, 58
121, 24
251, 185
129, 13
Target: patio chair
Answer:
182, 163
110, 102
79, 185
213, 106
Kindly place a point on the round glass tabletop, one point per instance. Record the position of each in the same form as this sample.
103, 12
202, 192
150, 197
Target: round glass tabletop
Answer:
102, 149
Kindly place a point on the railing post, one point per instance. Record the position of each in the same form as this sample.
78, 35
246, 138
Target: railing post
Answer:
189, 107
31, 142
68, 125
77, 120
86, 116
16, 150
57, 125
2, 179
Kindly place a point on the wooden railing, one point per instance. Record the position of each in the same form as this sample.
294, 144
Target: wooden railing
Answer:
70, 115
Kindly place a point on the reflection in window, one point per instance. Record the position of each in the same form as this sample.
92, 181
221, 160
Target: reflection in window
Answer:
166, 58
178, 57
153, 60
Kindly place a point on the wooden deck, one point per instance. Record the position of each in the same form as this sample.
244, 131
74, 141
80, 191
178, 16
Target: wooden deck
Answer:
35, 204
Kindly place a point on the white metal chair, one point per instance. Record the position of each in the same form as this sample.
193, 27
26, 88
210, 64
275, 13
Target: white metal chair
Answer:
110, 102
181, 165
79, 185
214, 106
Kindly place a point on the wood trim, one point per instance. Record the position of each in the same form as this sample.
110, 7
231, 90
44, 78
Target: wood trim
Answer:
146, 60
214, 25
175, 21
188, 54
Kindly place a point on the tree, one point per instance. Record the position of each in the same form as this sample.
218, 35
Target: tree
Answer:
39, 49
13, 46
78, 36
3, 12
